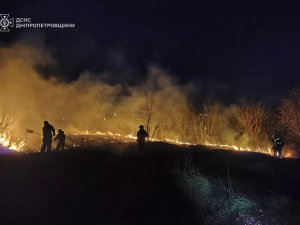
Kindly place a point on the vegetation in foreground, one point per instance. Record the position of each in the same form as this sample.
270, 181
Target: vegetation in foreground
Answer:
217, 202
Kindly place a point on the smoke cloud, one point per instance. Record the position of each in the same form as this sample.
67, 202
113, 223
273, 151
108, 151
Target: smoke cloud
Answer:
94, 103
87, 103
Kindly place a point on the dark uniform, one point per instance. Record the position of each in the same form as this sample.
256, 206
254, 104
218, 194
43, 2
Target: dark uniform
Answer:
48, 133
278, 145
61, 140
141, 138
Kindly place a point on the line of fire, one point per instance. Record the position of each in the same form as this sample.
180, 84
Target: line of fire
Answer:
243, 127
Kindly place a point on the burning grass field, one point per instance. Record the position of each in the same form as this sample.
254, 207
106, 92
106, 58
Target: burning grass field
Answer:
113, 184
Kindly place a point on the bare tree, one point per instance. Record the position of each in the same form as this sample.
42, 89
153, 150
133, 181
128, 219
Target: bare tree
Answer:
250, 117
290, 114
6, 120
153, 114
183, 123
146, 112
162, 121
206, 123
272, 123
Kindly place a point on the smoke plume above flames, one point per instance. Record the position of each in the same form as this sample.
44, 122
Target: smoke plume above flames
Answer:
94, 103
87, 103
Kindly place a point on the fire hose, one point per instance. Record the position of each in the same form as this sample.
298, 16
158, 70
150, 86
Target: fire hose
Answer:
33, 132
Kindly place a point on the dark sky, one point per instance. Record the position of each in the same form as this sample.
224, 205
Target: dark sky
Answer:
230, 50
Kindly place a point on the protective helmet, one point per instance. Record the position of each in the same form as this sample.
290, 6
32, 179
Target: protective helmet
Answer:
141, 127
59, 130
46, 122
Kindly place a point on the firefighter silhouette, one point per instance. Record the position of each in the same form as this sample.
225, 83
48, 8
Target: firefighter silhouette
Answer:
141, 138
278, 145
48, 133
61, 140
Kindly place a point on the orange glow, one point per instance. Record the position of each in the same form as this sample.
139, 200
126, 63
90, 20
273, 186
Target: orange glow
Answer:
268, 151
7, 143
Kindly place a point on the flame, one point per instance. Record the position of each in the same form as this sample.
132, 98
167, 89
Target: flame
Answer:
131, 137
6, 142
268, 151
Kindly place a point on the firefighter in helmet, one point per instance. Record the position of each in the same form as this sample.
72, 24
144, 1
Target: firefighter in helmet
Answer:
61, 140
48, 133
278, 145
141, 138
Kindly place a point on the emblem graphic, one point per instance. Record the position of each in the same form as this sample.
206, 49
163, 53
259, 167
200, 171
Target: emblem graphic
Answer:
5, 23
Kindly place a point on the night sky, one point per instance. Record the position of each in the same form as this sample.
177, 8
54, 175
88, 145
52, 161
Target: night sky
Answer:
228, 50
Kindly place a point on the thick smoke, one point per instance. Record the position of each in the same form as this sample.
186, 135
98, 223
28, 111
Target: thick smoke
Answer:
84, 104
92, 103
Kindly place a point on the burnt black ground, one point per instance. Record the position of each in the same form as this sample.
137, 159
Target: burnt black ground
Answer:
116, 185
89, 187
